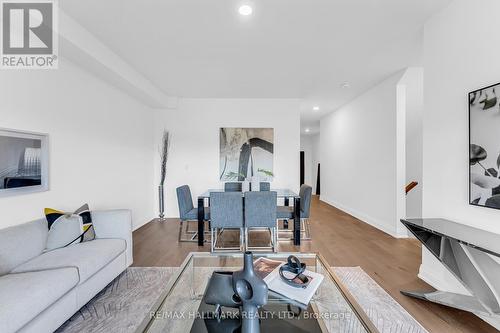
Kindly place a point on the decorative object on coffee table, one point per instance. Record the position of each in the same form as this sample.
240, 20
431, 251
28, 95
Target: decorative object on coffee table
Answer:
252, 291
242, 289
220, 293
292, 273
164, 150
186, 292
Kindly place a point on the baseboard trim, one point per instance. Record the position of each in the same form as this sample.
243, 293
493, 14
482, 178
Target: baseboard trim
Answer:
143, 223
374, 222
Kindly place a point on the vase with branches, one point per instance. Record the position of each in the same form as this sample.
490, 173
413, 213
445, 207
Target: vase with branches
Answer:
164, 151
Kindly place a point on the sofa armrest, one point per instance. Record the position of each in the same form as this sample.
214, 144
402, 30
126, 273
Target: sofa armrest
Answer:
114, 224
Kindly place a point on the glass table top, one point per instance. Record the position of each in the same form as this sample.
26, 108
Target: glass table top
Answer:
281, 193
332, 308
483, 240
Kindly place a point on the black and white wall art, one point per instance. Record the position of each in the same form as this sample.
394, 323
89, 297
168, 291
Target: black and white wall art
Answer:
23, 162
484, 147
246, 153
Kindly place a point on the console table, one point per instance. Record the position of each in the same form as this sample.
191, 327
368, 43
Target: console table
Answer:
471, 255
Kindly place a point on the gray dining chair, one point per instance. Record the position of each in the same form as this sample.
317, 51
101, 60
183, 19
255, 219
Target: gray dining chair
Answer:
260, 213
286, 212
265, 186
232, 187
188, 213
226, 213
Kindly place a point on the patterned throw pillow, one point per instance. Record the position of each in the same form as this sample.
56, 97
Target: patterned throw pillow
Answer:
88, 228
65, 229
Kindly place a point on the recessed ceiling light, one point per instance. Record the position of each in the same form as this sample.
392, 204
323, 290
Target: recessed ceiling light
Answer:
307, 130
245, 10
315, 108
345, 85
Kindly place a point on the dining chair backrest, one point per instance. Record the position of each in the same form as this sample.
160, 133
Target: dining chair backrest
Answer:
305, 200
184, 200
232, 187
265, 186
260, 209
226, 210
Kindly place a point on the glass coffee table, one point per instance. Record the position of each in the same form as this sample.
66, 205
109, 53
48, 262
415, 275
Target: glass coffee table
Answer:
180, 307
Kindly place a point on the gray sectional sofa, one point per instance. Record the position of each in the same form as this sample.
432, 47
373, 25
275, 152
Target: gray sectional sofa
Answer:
40, 290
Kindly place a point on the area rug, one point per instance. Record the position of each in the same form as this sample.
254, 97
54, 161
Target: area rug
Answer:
122, 305
381, 308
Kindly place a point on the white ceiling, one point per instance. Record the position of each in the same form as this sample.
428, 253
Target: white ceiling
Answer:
287, 49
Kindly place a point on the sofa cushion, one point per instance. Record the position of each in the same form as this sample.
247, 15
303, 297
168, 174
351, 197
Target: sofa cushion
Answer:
26, 295
21, 243
87, 257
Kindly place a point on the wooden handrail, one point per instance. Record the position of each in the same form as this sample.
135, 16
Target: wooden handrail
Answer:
411, 186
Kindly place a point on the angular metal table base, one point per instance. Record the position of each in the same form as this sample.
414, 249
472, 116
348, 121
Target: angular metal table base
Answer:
471, 255
458, 301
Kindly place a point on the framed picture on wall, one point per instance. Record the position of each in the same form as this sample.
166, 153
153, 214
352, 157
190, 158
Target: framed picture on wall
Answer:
246, 153
484, 147
23, 162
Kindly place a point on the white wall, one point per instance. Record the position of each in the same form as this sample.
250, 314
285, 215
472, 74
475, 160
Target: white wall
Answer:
101, 142
458, 57
194, 158
306, 145
359, 166
460, 51
414, 85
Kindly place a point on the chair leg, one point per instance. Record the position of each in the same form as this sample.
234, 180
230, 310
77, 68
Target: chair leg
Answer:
271, 233
212, 240
284, 231
188, 231
190, 237
276, 239
180, 230
244, 232
307, 229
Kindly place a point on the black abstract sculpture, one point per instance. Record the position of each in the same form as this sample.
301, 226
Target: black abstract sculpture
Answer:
242, 289
252, 291
220, 292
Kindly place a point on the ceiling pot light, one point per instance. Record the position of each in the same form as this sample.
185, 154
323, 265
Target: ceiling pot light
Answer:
245, 10
307, 130
315, 108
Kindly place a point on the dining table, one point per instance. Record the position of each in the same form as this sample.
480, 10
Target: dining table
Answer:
286, 194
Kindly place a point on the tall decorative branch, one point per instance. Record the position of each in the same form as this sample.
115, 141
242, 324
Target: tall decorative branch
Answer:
164, 151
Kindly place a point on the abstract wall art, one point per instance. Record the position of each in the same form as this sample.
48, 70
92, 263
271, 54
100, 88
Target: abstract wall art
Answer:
484, 147
23, 162
246, 153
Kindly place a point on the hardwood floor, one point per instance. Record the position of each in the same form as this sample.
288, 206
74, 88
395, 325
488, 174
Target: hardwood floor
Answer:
343, 241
